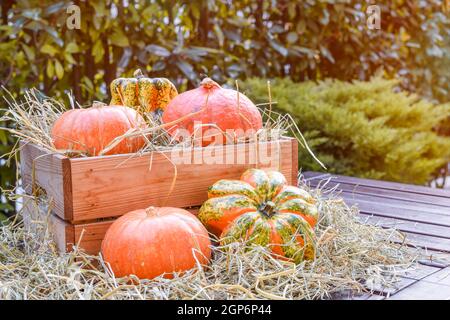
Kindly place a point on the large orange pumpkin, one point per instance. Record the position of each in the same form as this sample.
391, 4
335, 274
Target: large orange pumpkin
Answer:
214, 108
155, 241
262, 209
90, 130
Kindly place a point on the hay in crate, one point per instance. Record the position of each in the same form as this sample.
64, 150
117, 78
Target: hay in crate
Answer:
351, 257
33, 116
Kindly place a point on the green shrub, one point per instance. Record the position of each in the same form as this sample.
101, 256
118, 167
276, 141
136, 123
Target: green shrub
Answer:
367, 129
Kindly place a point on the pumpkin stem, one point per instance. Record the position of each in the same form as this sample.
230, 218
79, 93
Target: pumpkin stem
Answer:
209, 83
150, 211
98, 104
268, 208
138, 74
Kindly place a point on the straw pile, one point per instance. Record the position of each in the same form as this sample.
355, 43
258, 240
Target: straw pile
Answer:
350, 256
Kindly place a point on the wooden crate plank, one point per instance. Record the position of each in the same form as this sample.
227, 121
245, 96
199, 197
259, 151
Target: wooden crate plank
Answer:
434, 287
52, 172
90, 236
103, 189
379, 184
38, 222
407, 226
294, 162
412, 198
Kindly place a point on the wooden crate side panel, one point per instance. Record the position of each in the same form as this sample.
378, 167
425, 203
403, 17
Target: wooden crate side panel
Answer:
35, 220
91, 235
109, 187
52, 173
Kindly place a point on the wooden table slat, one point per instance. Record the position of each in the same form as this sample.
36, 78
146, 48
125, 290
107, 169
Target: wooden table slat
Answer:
380, 184
428, 242
414, 239
395, 203
407, 226
357, 296
401, 284
416, 273
432, 201
385, 210
434, 286
436, 259
420, 271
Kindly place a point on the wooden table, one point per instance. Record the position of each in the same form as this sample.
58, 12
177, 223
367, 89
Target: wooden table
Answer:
422, 214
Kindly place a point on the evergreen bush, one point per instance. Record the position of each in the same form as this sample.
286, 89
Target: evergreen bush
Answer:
367, 129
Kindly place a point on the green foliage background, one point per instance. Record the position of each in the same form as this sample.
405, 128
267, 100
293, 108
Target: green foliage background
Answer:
364, 129
185, 40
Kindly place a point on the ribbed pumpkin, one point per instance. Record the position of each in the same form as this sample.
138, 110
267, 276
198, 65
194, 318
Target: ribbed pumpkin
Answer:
219, 107
155, 241
262, 209
141, 93
90, 130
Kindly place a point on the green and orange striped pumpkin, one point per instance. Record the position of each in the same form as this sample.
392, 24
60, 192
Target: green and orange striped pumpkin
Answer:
262, 209
141, 93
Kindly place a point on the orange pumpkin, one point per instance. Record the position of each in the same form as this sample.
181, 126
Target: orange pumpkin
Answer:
89, 131
217, 110
155, 241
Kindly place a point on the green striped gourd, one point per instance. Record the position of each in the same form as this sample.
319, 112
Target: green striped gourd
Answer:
141, 93
262, 209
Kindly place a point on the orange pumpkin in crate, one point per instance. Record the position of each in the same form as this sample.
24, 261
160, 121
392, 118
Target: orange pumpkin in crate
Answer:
89, 131
155, 241
214, 110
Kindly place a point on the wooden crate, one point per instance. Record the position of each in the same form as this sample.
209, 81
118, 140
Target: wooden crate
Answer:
89, 193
